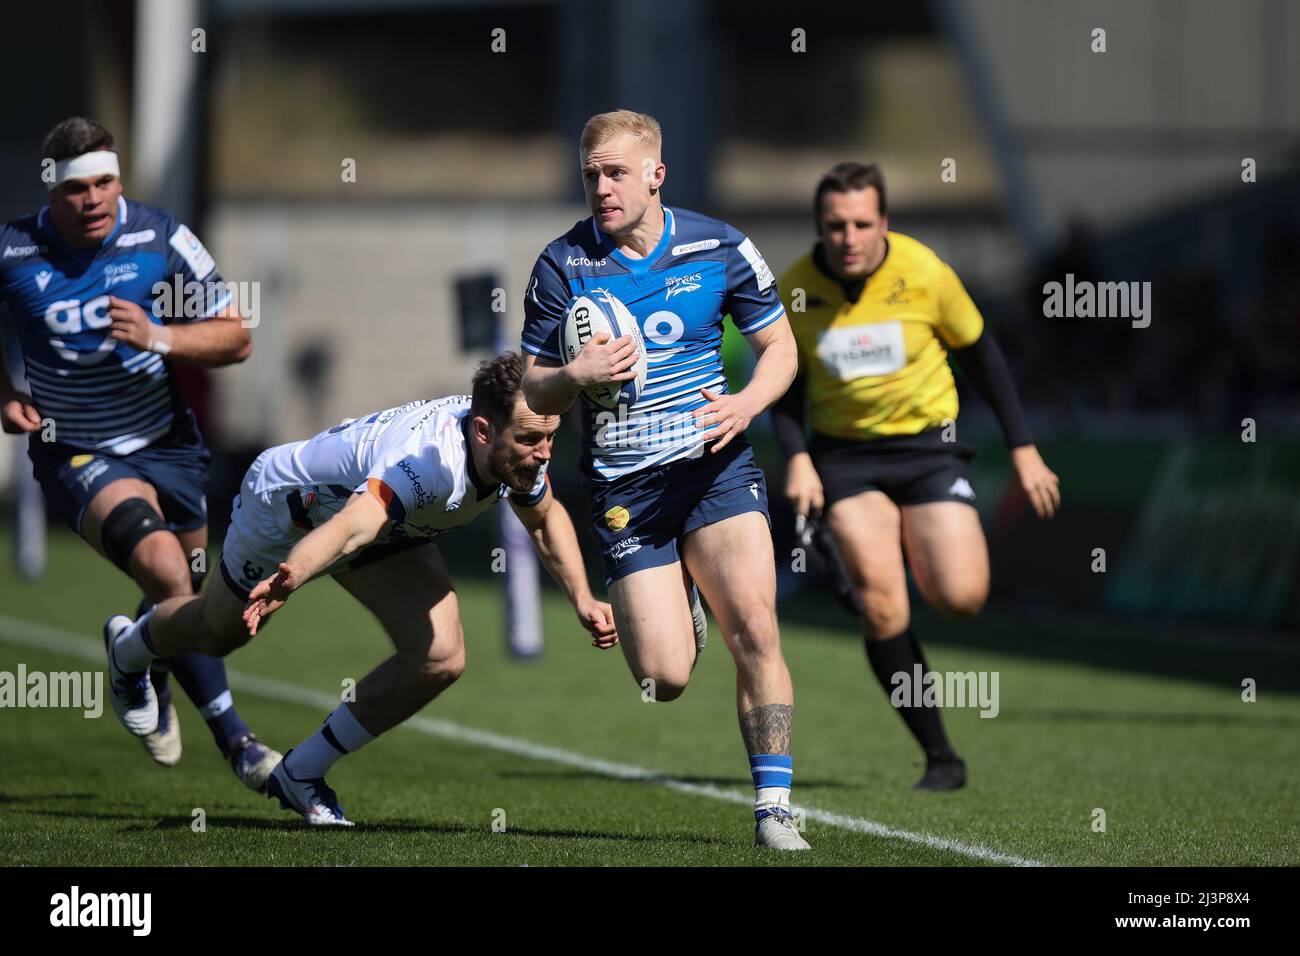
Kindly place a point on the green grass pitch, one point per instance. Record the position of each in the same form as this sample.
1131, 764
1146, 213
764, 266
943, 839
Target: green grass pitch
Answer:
1185, 771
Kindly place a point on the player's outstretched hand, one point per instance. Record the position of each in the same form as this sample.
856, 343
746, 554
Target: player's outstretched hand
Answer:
1038, 482
19, 416
727, 415
601, 361
598, 618
268, 596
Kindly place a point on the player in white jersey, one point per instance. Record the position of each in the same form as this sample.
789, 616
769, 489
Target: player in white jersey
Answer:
363, 502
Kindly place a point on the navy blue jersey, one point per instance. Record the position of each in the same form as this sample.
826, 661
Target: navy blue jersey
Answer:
701, 270
102, 394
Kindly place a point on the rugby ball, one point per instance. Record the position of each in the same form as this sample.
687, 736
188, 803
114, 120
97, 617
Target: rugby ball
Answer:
597, 311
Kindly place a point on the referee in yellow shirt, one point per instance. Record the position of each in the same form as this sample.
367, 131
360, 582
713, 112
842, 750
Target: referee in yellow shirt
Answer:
876, 315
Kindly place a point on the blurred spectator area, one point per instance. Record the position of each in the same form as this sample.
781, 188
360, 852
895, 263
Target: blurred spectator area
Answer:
1122, 165
466, 160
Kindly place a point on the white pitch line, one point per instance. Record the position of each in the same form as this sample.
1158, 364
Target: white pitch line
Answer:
43, 637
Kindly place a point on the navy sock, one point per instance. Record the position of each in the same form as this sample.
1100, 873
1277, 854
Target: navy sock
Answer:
204, 680
159, 673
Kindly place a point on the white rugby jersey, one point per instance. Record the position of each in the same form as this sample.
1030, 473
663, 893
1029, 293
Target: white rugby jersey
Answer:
415, 458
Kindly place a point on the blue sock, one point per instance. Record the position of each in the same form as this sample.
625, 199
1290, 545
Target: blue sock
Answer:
204, 680
773, 774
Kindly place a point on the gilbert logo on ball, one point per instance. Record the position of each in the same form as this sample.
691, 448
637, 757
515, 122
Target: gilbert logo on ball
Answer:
617, 517
597, 311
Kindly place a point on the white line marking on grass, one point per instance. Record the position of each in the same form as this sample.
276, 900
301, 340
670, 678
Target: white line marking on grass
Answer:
43, 637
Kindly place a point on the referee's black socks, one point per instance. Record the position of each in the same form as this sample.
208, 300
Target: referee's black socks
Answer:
901, 655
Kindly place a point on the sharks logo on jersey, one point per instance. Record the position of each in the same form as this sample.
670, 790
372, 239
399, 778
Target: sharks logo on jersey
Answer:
102, 394
701, 271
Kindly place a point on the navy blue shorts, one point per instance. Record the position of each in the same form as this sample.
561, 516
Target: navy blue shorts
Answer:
640, 518
176, 465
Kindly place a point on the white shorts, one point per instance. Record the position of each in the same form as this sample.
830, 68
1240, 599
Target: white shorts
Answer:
258, 538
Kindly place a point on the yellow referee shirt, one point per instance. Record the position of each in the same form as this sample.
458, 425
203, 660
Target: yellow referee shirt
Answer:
879, 366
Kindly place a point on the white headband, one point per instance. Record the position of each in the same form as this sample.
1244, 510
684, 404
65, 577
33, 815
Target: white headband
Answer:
98, 162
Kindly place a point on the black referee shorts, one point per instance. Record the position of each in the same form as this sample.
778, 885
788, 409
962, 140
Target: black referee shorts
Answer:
910, 469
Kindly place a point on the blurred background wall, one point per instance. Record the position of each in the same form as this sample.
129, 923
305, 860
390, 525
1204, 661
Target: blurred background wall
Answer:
1125, 164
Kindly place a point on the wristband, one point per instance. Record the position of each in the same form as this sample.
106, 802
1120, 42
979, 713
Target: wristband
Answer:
161, 344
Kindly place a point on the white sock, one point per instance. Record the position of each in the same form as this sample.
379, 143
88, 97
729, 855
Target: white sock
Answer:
131, 650
341, 734
765, 798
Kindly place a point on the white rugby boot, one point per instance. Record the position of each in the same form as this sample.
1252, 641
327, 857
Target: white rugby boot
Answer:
253, 762
777, 830
164, 744
132, 695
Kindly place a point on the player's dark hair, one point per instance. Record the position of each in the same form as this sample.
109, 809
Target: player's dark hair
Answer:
849, 177
74, 136
497, 384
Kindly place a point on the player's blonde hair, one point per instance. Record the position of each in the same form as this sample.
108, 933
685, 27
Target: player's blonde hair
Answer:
603, 126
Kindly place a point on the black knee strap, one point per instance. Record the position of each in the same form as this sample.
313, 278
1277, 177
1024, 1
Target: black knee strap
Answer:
126, 526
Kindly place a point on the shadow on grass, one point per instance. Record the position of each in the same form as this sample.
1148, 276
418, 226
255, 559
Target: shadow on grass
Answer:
415, 827
150, 823
1122, 643
43, 797
1148, 718
737, 782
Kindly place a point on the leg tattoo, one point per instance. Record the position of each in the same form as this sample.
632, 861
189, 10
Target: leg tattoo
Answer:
766, 729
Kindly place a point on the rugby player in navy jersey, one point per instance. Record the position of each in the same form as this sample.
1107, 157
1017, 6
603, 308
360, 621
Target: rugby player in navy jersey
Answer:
677, 500
115, 450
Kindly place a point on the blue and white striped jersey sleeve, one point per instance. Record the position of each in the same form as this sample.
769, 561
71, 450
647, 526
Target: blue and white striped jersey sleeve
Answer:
545, 300
186, 256
751, 298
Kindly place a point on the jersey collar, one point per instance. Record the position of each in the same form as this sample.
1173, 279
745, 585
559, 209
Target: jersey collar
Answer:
639, 265
482, 487
45, 224
117, 227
